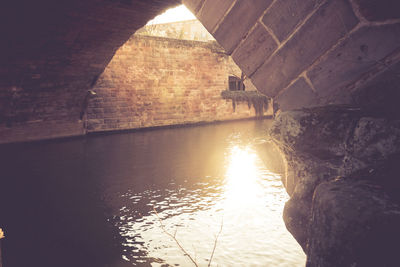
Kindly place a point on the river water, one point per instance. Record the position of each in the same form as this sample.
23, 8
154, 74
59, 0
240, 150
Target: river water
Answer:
128, 199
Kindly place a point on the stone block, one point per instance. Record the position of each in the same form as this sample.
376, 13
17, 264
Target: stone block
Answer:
212, 12
355, 56
241, 18
193, 5
331, 22
381, 94
379, 10
285, 15
257, 47
353, 223
375, 139
298, 95
325, 144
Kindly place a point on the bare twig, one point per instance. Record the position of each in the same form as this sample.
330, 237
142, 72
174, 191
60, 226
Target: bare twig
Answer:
215, 242
173, 236
195, 253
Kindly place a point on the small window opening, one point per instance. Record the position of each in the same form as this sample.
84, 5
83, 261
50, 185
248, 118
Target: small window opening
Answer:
236, 84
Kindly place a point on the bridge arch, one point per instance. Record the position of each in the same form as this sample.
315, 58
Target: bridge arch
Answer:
310, 53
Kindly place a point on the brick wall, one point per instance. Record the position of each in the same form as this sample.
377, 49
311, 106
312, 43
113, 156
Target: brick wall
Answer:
50, 54
154, 81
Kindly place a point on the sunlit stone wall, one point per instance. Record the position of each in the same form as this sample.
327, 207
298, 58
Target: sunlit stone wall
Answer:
155, 81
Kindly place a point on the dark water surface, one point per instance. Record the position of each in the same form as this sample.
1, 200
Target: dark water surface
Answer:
91, 201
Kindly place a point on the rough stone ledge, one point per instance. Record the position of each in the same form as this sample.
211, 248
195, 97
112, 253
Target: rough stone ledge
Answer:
323, 146
353, 223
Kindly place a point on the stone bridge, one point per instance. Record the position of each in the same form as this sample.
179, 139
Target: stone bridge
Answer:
339, 58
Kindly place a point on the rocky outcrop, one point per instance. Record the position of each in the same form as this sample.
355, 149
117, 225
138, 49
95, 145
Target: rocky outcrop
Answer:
341, 174
354, 223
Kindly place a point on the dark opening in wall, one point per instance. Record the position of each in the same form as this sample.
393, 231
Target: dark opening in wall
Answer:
236, 84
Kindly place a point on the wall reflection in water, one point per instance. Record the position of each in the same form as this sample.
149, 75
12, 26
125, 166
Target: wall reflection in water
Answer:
89, 201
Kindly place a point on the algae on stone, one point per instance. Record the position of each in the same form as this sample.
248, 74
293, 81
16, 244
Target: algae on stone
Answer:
253, 98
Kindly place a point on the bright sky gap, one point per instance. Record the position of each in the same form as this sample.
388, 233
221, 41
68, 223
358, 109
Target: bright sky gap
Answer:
179, 13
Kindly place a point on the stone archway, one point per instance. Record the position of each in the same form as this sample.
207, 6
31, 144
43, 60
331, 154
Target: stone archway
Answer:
302, 53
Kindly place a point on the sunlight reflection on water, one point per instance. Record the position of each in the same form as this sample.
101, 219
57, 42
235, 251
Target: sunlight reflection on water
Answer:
247, 199
101, 191
241, 188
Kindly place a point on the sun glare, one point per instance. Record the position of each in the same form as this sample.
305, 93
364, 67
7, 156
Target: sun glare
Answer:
241, 175
178, 13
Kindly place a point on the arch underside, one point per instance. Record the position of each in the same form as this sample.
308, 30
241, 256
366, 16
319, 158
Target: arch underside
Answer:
340, 59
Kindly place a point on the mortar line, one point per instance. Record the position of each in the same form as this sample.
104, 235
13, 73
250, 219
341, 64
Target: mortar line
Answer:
265, 26
287, 87
298, 27
365, 21
308, 81
259, 20
338, 43
357, 12
378, 69
318, 60
382, 23
223, 17
201, 8
270, 31
245, 38
268, 8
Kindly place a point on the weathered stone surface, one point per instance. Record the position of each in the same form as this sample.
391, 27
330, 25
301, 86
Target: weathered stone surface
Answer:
313, 147
381, 94
374, 140
298, 95
297, 132
283, 16
193, 5
305, 46
338, 143
212, 12
379, 10
257, 47
354, 223
357, 55
241, 18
